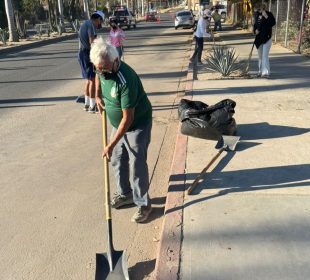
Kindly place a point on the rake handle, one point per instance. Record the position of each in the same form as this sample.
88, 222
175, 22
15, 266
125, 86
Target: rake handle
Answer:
249, 59
199, 177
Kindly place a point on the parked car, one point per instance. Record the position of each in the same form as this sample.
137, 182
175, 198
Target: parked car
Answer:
151, 16
184, 18
124, 17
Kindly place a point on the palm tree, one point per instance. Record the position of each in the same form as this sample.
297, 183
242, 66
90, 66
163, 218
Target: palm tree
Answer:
13, 36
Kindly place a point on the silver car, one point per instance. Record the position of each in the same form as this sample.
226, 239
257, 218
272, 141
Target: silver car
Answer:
184, 18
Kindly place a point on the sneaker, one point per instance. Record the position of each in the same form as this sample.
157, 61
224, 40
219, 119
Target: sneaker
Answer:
93, 110
121, 200
199, 63
86, 108
142, 214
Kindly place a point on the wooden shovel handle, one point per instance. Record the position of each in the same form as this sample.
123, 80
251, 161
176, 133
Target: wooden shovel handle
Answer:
199, 177
106, 168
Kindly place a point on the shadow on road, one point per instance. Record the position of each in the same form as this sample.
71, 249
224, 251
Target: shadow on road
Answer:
38, 99
25, 106
35, 81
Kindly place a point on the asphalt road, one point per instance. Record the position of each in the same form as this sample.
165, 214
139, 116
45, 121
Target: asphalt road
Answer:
51, 175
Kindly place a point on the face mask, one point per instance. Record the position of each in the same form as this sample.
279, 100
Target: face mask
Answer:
108, 76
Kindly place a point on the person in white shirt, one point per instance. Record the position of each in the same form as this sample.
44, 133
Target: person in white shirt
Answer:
201, 33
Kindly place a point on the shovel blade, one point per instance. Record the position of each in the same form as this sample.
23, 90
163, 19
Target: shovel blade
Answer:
119, 271
227, 142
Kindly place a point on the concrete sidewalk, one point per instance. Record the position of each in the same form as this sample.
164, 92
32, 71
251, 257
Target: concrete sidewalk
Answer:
250, 216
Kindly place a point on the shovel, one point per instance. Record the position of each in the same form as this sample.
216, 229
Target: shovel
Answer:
113, 264
226, 143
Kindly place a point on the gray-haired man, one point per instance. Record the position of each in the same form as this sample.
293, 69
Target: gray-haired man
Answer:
130, 114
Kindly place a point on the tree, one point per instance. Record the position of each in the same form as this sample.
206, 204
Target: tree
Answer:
13, 36
86, 9
61, 14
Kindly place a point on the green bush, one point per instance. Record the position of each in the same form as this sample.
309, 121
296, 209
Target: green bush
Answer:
306, 35
32, 10
292, 31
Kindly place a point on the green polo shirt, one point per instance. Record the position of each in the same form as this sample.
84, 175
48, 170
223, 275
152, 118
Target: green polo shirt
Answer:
124, 90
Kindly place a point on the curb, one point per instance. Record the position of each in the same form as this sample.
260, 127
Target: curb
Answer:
168, 258
37, 44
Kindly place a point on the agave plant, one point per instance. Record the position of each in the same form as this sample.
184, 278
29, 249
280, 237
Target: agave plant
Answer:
4, 35
223, 60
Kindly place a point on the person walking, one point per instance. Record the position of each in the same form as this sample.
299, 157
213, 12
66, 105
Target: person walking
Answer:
217, 20
120, 92
200, 33
116, 37
264, 21
87, 34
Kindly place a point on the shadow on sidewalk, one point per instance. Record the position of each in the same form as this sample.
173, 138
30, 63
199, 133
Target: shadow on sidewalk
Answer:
264, 130
141, 269
248, 180
250, 89
238, 36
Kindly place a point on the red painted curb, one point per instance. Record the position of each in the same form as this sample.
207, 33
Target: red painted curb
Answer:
169, 253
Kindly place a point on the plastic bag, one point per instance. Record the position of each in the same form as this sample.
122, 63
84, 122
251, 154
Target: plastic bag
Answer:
207, 122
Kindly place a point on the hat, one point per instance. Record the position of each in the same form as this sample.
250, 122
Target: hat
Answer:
99, 13
207, 13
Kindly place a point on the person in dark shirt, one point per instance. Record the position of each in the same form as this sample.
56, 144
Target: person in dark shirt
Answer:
264, 21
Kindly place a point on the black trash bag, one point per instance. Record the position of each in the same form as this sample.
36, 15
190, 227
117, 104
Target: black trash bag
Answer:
207, 122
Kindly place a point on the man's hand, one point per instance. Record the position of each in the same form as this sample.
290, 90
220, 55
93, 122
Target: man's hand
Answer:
107, 152
100, 104
256, 32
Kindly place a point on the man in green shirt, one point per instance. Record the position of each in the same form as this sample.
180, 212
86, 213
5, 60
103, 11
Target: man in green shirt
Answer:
120, 91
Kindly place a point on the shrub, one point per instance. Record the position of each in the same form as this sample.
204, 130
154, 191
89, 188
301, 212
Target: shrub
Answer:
223, 60
4, 35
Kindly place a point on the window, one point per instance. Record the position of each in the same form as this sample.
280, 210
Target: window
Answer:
182, 14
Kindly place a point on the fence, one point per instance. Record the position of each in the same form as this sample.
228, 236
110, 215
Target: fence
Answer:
292, 28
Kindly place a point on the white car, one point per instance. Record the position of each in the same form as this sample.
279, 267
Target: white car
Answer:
184, 18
